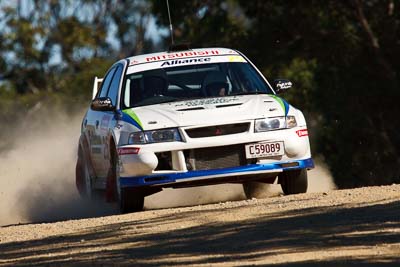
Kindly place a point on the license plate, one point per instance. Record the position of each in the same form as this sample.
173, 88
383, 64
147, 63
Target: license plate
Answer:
261, 150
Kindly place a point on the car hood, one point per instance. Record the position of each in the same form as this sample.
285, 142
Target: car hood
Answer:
208, 111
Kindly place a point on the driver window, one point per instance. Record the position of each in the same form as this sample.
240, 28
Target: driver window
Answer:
106, 83
113, 91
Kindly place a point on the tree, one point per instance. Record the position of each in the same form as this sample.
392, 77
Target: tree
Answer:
47, 40
341, 54
51, 50
203, 23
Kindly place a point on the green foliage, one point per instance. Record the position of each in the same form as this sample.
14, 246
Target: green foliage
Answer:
78, 88
204, 23
73, 35
342, 59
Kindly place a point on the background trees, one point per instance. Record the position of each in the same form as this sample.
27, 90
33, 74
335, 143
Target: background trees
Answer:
341, 56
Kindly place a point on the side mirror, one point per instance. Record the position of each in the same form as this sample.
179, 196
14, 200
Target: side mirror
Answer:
281, 85
102, 104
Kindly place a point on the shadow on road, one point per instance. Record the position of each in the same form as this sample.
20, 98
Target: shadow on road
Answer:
254, 241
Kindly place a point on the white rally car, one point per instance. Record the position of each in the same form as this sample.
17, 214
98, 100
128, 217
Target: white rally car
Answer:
189, 118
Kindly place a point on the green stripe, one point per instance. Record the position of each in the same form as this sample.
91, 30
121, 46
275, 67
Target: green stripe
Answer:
280, 102
133, 115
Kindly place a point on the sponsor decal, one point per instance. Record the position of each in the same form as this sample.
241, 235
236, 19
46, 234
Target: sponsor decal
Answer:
182, 55
133, 62
284, 85
128, 151
210, 101
104, 122
104, 102
185, 61
236, 59
302, 132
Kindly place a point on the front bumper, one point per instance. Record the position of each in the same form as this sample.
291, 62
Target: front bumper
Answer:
205, 177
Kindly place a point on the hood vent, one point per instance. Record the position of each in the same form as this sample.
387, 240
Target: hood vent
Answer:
228, 105
190, 109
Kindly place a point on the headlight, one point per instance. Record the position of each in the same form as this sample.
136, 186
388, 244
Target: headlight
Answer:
155, 136
275, 123
291, 122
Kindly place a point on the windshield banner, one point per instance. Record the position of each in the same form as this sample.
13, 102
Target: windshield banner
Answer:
184, 62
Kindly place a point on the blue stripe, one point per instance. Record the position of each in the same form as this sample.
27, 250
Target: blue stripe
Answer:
286, 106
126, 118
138, 181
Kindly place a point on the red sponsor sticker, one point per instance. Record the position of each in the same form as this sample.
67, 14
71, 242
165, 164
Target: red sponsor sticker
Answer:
302, 132
182, 55
128, 150
133, 62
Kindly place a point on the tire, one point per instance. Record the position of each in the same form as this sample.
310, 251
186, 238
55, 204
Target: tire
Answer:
256, 190
294, 182
129, 199
82, 177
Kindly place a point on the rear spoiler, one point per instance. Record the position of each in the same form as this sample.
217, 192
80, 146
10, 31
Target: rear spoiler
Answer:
96, 85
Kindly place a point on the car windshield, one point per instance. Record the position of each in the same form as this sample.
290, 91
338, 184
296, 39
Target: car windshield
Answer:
191, 81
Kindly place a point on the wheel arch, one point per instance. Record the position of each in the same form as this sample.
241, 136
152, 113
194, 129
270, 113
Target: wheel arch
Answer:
112, 146
111, 188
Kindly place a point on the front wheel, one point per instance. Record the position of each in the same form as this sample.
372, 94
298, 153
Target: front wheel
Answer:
130, 200
294, 182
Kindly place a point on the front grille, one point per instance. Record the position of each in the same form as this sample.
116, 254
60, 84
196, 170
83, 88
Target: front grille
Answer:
217, 157
218, 130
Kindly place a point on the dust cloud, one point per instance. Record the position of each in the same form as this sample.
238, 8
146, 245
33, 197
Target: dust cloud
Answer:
194, 196
320, 178
37, 177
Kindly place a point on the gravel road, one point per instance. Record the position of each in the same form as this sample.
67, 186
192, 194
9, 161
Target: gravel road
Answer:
336, 228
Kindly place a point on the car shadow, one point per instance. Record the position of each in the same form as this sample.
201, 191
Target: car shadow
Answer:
242, 242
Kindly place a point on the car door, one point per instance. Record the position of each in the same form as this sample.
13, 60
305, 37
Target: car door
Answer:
108, 121
92, 122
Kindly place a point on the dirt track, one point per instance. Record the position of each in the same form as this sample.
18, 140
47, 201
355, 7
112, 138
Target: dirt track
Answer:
338, 228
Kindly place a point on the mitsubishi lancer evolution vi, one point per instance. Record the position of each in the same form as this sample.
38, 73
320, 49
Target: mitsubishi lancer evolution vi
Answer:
189, 118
